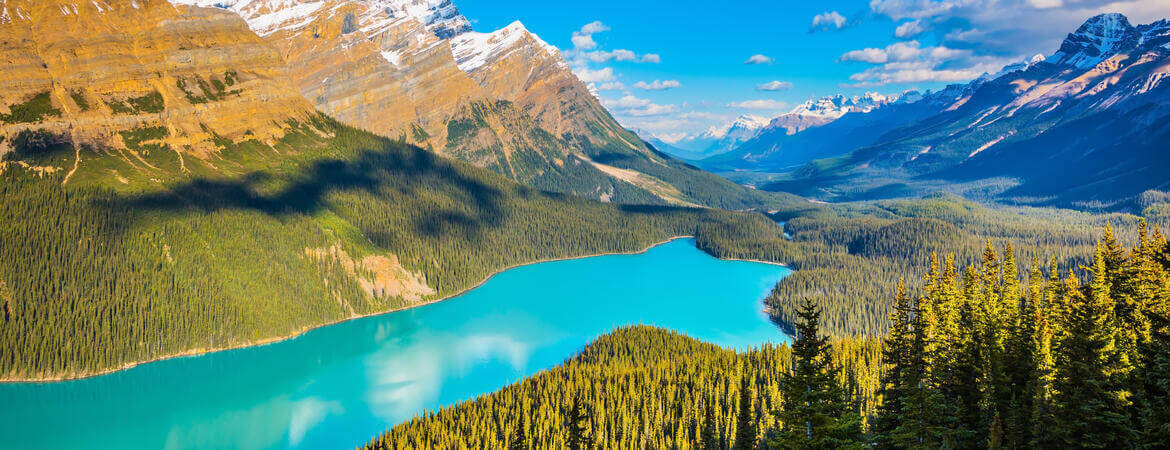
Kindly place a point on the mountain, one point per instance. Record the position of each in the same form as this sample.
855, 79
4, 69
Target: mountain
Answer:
1085, 127
506, 100
97, 74
795, 137
722, 139
165, 190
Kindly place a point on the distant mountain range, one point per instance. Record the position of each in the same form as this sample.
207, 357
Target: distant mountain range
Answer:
1088, 126
750, 131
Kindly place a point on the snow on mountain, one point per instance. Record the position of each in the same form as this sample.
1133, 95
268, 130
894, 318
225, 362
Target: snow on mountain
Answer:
1098, 38
441, 17
839, 105
472, 50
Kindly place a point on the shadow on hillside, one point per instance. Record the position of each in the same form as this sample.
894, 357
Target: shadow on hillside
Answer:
438, 197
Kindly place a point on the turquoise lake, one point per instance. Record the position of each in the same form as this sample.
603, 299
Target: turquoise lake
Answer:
339, 386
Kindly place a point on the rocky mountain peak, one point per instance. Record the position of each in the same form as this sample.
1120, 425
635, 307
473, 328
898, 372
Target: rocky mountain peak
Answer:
1099, 38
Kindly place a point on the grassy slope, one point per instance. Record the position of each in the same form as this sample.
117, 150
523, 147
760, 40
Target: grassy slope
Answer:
143, 254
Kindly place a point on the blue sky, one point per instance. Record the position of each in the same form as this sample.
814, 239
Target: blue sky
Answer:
697, 50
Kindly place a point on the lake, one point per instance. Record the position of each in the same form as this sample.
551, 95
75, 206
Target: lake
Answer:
340, 385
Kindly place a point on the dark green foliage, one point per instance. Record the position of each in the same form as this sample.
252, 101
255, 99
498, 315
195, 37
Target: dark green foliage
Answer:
34, 110
147, 104
816, 411
80, 100
646, 388
850, 257
746, 431
103, 272
578, 436
939, 383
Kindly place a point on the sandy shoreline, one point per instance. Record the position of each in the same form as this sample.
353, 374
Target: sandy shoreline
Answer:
262, 342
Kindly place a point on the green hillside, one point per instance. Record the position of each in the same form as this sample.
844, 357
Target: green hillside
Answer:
147, 252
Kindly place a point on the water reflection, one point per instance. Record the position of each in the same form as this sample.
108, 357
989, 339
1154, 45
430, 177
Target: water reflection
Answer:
341, 385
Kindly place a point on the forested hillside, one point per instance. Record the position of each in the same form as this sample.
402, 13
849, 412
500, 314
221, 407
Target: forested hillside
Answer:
849, 257
143, 253
637, 387
977, 358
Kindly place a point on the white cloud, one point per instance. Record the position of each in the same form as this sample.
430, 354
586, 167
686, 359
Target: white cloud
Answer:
657, 85
594, 27
638, 107
758, 59
869, 55
759, 104
652, 58
828, 20
595, 76
602, 56
583, 42
1011, 28
583, 38
775, 86
903, 51
910, 29
611, 86
909, 62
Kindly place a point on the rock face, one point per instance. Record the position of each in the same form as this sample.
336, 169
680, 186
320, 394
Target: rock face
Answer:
93, 71
414, 69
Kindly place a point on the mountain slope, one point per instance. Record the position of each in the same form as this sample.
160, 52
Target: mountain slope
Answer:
92, 72
818, 128
1085, 127
151, 248
415, 70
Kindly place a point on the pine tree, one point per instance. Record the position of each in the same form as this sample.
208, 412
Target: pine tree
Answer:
519, 438
895, 356
1088, 404
816, 412
577, 424
709, 438
745, 420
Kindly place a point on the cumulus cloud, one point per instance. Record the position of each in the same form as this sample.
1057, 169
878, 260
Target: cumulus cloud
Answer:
1014, 28
829, 20
759, 104
583, 38
651, 58
595, 76
758, 59
594, 27
611, 86
910, 62
910, 29
775, 86
638, 107
657, 85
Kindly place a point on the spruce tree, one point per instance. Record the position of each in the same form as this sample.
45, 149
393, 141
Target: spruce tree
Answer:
577, 423
519, 438
816, 412
1088, 403
745, 420
895, 355
709, 438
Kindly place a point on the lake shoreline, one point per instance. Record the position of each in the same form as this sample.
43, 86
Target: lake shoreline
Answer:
302, 331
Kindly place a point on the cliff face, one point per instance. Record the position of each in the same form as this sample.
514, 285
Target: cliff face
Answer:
413, 69
94, 71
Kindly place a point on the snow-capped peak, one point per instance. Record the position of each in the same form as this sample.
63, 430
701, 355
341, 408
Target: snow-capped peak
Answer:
441, 17
838, 105
472, 50
1099, 38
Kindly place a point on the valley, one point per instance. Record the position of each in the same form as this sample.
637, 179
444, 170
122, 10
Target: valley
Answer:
414, 224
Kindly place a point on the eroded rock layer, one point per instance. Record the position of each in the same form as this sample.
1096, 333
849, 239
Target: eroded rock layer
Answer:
93, 71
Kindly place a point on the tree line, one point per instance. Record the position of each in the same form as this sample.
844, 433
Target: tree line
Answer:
982, 356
